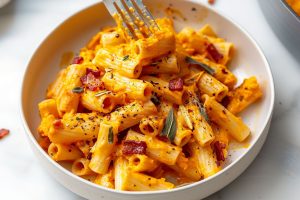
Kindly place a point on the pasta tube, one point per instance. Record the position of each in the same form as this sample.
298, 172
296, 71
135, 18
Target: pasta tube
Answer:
85, 146
140, 182
56, 87
141, 163
60, 152
165, 65
183, 134
161, 88
207, 30
106, 180
135, 89
225, 119
104, 147
48, 107
157, 149
207, 164
202, 130
151, 125
132, 113
191, 41
221, 72
209, 85
226, 49
121, 173
114, 58
111, 39
75, 127
190, 170
80, 167
104, 103
67, 101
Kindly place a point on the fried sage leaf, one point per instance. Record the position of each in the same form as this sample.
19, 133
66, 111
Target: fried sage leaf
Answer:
110, 136
201, 109
170, 127
155, 100
125, 57
205, 67
77, 90
99, 94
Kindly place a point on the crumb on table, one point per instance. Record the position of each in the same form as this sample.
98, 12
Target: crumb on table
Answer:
3, 133
211, 2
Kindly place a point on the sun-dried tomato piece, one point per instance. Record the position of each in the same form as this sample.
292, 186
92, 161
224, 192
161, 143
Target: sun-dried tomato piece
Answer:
44, 142
218, 150
91, 82
211, 2
213, 52
3, 133
176, 84
162, 138
57, 123
77, 60
96, 73
134, 147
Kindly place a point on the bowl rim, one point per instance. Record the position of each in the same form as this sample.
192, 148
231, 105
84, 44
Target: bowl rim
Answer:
137, 193
291, 10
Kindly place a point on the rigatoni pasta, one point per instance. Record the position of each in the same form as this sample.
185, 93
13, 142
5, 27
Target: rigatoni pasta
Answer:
80, 167
244, 95
150, 113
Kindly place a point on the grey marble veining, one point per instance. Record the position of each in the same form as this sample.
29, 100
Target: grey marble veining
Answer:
25, 23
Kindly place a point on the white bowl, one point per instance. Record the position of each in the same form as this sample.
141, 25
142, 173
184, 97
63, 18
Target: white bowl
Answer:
284, 22
75, 32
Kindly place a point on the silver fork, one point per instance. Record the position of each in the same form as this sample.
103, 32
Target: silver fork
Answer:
136, 18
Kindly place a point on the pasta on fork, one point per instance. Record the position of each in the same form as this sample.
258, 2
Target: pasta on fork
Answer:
147, 113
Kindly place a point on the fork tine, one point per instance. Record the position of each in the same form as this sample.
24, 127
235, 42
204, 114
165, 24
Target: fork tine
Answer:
133, 19
127, 25
134, 16
139, 17
144, 12
109, 4
110, 7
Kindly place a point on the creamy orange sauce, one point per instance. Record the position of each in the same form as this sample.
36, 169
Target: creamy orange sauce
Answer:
66, 59
175, 178
234, 145
173, 13
295, 5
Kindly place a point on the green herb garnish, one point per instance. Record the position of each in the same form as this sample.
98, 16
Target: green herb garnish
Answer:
186, 116
110, 136
170, 126
156, 63
155, 100
99, 94
125, 57
204, 113
207, 68
201, 109
77, 90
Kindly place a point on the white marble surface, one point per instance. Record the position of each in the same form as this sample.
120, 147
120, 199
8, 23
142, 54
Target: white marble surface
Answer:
25, 23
